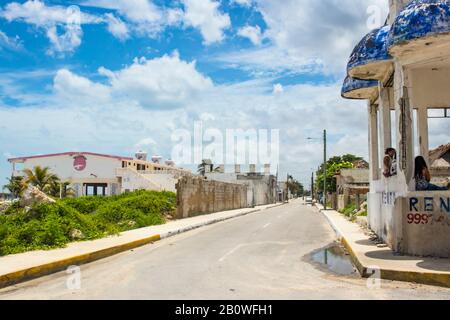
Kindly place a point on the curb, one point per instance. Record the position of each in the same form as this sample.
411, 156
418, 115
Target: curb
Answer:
38, 271
434, 279
56, 266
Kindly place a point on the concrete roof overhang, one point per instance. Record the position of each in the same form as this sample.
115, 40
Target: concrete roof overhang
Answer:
359, 89
421, 25
370, 60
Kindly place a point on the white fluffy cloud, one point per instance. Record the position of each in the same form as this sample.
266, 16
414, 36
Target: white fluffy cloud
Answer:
245, 3
37, 13
205, 15
75, 90
62, 25
160, 83
117, 27
65, 41
303, 33
142, 16
9, 43
253, 33
165, 82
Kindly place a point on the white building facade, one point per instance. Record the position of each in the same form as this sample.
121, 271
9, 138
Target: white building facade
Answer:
403, 71
94, 174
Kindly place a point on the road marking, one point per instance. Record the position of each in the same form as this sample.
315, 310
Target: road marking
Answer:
266, 225
253, 244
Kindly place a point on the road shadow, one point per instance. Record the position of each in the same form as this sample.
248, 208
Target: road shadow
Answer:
366, 242
388, 254
435, 265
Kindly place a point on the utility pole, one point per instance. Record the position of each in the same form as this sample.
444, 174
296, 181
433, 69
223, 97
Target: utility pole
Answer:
325, 169
312, 186
287, 188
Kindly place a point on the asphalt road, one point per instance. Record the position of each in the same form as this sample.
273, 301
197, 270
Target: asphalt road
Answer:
264, 255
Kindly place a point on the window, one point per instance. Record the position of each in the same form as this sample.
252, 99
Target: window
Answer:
96, 189
439, 113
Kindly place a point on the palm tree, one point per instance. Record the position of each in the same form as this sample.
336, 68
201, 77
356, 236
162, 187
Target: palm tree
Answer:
16, 186
201, 169
59, 189
41, 178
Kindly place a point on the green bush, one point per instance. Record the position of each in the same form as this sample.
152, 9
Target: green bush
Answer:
47, 226
348, 210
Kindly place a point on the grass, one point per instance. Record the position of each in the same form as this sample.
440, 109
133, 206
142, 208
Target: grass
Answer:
48, 226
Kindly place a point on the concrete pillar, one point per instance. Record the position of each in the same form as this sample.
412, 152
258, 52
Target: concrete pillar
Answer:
358, 201
405, 128
422, 128
267, 169
346, 197
385, 118
373, 143
237, 168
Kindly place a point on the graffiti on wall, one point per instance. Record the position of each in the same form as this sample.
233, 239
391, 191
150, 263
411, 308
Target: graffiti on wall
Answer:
389, 198
428, 211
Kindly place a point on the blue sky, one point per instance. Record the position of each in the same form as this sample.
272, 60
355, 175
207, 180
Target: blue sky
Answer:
124, 75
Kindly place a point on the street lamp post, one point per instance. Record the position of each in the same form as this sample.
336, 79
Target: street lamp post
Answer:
325, 169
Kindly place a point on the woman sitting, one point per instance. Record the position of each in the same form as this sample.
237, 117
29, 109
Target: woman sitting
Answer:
390, 163
423, 177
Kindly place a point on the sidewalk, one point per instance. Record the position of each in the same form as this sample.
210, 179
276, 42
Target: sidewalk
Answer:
366, 255
29, 265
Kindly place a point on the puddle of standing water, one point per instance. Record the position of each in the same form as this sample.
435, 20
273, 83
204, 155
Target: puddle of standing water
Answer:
334, 259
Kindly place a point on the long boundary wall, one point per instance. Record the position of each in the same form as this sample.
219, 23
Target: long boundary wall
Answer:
197, 196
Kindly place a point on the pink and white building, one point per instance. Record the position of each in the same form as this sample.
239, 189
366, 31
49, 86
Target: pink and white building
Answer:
101, 174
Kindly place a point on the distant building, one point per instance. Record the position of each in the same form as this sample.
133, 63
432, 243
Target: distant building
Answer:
440, 164
103, 175
5, 196
261, 186
351, 183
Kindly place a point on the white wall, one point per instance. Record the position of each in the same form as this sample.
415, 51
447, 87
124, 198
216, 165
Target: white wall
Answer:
431, 87
62, 166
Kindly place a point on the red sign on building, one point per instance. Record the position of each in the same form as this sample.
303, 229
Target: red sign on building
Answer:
79, 163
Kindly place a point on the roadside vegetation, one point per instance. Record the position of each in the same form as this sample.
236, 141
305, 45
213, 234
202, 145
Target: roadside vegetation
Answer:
67, 219
352, 212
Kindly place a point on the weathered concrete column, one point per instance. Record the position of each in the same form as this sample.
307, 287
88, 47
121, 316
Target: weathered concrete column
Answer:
405, 133
385, 118
373, 142
358, 201
422, 128
346, 197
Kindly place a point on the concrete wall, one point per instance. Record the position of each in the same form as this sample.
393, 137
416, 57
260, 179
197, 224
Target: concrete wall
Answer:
262, 188
196, 196
425, 224
415, 223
